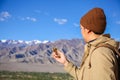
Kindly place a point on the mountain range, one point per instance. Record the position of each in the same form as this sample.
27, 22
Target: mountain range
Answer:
40, 51
35, 56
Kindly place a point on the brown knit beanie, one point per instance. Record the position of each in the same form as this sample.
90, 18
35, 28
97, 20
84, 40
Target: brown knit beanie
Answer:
94, 20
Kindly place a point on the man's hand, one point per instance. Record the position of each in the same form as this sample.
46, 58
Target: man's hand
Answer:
59, 56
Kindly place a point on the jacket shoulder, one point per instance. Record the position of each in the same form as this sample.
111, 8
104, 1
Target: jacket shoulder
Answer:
103, 54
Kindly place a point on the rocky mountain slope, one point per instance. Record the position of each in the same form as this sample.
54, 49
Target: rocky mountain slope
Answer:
39, 52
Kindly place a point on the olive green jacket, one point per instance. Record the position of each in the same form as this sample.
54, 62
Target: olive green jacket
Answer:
99, 64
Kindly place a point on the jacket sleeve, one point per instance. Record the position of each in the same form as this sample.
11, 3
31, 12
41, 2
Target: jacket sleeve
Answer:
103, 64
72, 70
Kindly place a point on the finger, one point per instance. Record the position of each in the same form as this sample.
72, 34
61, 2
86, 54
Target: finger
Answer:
57, 56
54, 55
55, 50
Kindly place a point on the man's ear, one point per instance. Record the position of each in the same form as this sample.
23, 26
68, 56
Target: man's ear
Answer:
88, 31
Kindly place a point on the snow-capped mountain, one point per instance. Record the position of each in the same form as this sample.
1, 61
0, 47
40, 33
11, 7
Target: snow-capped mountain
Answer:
23, 42
39, 51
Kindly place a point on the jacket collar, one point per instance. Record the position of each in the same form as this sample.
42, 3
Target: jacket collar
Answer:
101, 39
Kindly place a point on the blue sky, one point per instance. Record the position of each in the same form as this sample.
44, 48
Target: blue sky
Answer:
52, 19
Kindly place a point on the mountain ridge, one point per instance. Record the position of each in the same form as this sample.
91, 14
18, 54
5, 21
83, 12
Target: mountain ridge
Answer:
37, 57
40, 52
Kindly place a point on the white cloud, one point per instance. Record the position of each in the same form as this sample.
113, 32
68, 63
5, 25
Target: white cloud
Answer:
76, 25
4, 15
60, 21
32, 19
117, 22
29, 18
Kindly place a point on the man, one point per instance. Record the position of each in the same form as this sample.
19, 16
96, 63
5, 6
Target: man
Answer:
97, 63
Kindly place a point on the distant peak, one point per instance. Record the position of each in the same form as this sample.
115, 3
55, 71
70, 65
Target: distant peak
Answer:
45, 41
3, 41
22, 41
